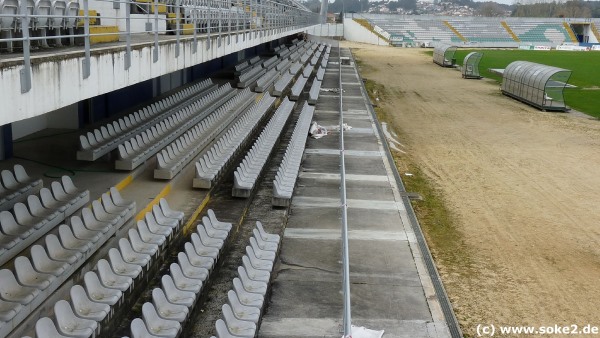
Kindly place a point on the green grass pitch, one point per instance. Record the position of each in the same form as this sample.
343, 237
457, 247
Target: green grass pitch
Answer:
585, 67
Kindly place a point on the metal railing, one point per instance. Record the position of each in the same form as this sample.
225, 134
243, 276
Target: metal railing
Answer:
345, 252
30, 25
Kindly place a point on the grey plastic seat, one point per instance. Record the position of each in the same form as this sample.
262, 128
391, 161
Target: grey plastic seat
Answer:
251, 285
254, 273
139, 329
71, 189
139, 245
132, 256
84, 307
71, 325
216, 223
175, 295
182, 282
197, 260
12, 291
110, 279
37, 209
247, 298
159, 326
266, 236
202, 249
237, 326
9, 310
103, 216
241, 311
10, 182
112, 208
28, 276
25, 218
43, 263
120, 201
45, 328
120, 267
222, 331
265, 245
98, 292
166, 309
10, 226
155, 227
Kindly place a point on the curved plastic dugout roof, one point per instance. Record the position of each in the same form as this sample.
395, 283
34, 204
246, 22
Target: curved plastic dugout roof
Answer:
470, 69
539, 85
443, 54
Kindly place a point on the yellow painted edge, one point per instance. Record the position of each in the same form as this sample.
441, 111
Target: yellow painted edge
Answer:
187, 227
163, 193
124, 183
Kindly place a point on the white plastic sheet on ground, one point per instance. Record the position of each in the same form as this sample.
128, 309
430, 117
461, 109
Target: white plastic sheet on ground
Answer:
362, 332
316, 131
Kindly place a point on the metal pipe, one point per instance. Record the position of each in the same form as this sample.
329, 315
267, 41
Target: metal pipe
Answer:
345, 251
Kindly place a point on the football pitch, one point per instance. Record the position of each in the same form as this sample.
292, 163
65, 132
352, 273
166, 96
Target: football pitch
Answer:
584, 65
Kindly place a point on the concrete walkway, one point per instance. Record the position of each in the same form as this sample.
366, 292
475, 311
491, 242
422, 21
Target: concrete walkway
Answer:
390, 287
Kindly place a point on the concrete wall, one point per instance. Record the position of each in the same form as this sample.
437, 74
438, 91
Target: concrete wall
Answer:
57, 80
353, 31
63, 118
329, 30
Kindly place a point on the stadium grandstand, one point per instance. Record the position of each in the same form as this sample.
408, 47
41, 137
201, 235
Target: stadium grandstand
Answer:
419, 30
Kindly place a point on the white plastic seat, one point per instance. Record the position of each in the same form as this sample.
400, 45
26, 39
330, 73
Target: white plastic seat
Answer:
260, 253
202, 249
159, 326
254, 273
98, 292
222, 331
120, 267
132, 256
45, 328
174, 295
241, 311
28, 276
182, 282
71, 189
10, 226
247, 298
266, 236
139, 245
92, 223
84, 307
8, 310
166, 209
71, 325
208, 240
112, 208
190, 270
256, 262
166, 309
147, 236
43, 263
155, 227
164, 220
214, 233
81, 232
237, 326
216, 223
110, 279
251, 285
120, 201
139, 329
26, 219
103, 216
69, 241
197, 260
12, 291
37, 209
265, 245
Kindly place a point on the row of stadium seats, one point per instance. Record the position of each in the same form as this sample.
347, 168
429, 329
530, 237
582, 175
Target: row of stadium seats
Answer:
15, 186
245, 302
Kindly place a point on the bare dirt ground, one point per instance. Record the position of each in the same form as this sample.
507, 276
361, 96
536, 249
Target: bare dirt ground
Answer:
521, 186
